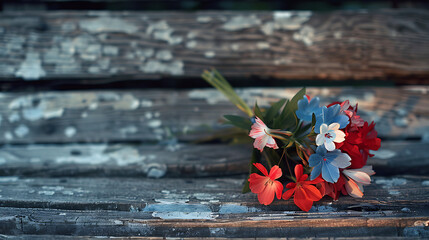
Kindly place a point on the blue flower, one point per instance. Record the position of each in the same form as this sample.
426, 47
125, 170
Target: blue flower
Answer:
306, 108
331, 115
328, 163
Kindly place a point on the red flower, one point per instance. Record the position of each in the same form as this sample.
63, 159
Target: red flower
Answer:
265, 186
358, 143
305, 193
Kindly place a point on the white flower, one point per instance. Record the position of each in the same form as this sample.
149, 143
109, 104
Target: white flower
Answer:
330, 134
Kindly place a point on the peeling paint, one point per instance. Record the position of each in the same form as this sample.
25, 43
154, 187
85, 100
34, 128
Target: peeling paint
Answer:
47, 105
8, 136
389, 183
384, 153
48, 193
155, 123
209, 54
127, 102
241, 22
146, 103
263, 45
191, 44
154, 66
70, 131
164, 55
108, 24
128, 130
21, 131
9, 179
286, 20
31, 68
180, 211
306, 35
162, 31
235, 208
14, 117
204, 19
110, 50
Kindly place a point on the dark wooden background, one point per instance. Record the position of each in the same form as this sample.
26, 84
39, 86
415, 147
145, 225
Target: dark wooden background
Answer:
106, 125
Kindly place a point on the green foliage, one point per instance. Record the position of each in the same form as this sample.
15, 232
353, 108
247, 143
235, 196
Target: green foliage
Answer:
256, 157
274, 111
240, 122
287, 119
215, 79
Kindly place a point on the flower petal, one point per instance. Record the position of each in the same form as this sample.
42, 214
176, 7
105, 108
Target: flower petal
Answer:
358, 176
275, 172
298, 171
316, 171
267, 196
300, 199
330, 173
320, 139
257, 183
288, 194
323, 128
278, 186
261, 168
353, 189
312, 192
339, 136
260, 142
342, 160
334, 126
291, 185
330, 146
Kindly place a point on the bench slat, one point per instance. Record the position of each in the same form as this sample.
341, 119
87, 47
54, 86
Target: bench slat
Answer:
204, 207
175, 160
186, 115
89, 46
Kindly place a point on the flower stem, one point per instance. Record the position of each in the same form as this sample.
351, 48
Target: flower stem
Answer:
290, 171
267, 159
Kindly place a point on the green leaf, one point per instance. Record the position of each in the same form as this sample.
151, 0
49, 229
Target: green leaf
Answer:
273, 111
287, 119
256, 157
238, 121
215, 79
258, 112
313, 119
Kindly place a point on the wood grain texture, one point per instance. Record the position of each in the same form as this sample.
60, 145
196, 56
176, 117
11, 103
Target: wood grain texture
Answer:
178, 160
185, 115
350, 45
209, 207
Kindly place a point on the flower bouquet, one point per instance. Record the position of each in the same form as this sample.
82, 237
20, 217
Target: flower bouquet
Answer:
326, 146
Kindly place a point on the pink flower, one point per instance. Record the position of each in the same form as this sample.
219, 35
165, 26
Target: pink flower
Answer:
265, 186
356, 178
355, 120
261, 133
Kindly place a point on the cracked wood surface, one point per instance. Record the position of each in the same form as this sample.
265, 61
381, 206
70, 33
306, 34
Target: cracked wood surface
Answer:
389, 45
204, 207
186, 115
178, 160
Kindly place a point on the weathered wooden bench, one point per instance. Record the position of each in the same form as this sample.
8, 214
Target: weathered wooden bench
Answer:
106, 124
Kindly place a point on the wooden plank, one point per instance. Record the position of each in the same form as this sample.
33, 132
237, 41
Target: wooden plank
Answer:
185, 115
289, 45
208, 207
156, 161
